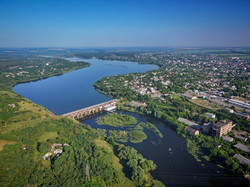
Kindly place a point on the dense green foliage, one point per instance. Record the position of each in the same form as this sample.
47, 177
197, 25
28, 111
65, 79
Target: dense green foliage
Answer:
16, 69
136, 167
88, 160
24, 159
119, 135
137, 136
117, 120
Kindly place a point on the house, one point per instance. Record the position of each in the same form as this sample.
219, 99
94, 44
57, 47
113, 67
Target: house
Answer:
189, 123
58, 151
227, 138
242, 159
242, 147
47, 156
240, 137
210, 115
229, 110
222, 128
192, 131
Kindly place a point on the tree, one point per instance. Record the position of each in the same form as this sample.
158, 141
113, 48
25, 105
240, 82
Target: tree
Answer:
232, 162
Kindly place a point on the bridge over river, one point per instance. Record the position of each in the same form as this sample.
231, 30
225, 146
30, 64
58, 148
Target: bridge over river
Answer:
91, 110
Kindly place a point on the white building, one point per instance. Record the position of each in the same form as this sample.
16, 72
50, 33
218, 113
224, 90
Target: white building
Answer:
210, 115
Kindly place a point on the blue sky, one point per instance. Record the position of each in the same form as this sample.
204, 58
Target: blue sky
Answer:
124, 23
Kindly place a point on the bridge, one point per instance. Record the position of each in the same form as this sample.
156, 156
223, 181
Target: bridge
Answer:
91, 110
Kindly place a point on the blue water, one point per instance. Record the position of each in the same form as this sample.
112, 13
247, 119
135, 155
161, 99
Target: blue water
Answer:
175, 166
74, 90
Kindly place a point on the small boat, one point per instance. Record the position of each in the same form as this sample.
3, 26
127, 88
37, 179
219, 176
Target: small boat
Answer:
169, 149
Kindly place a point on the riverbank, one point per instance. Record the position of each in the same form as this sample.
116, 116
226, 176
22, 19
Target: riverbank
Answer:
30, 69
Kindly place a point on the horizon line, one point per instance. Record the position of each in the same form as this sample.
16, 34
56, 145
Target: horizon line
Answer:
89, 47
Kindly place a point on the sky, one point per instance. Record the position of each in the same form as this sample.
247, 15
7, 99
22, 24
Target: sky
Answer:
124, 23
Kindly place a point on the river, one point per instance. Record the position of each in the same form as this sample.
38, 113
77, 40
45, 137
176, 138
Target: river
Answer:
74, 90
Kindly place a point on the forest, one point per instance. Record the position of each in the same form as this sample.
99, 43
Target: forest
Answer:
15, 69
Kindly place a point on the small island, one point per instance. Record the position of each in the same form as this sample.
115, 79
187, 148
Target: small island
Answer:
134, 131
116, 120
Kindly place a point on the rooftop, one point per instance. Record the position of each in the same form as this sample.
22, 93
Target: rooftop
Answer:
242, 147
242, 159
222, 123
192, 130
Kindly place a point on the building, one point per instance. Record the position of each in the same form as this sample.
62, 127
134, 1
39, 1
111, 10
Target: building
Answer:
58, 151
189, 96
222, 128
190, 123
47, 156
243, 115
210, 115
229, 110
242, 147
240, 103
109, 107
242, 159
240, 137
192, 131
207, 128
227, 138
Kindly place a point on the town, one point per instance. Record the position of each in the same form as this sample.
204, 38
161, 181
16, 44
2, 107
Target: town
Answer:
218, 85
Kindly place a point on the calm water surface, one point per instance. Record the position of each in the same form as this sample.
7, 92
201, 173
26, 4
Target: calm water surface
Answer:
175, 166
74, 90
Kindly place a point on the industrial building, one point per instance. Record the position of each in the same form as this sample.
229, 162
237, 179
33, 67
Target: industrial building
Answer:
222, 128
